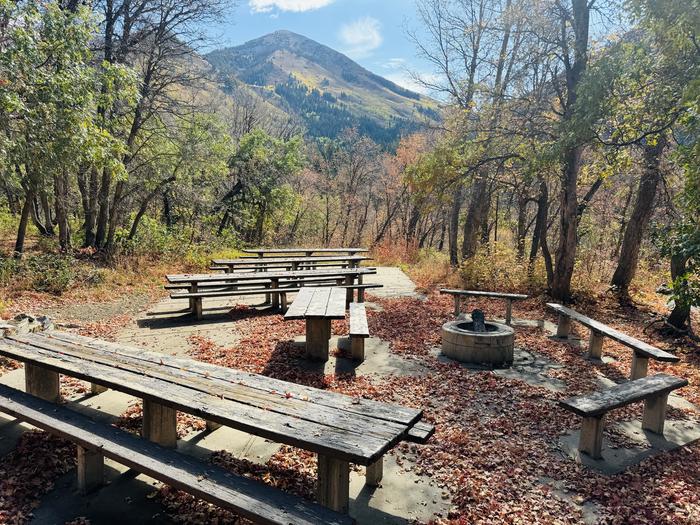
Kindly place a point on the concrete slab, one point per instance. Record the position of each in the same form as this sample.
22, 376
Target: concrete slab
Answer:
677, 433
396, 283
401, 497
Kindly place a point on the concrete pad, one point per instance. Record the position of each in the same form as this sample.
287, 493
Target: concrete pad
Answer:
396, 283
401, 497
677, 433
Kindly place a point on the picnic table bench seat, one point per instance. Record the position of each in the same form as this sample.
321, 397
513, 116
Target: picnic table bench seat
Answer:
653, 390
96, 441
273, 252
599, 331
359, 330
508, 297
338, 428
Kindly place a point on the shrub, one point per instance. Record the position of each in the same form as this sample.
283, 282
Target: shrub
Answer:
42, 273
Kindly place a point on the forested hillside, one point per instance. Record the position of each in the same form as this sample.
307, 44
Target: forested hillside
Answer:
565, 160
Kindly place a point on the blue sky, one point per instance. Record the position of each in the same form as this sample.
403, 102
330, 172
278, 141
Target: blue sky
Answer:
372, 32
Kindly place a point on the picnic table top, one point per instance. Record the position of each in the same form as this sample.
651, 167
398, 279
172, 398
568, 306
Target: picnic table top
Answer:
263, 276
325, 303
304, 250
479, 293
352, 429
277, 260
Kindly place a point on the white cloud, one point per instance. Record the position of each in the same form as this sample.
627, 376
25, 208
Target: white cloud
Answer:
296, 6
361, 37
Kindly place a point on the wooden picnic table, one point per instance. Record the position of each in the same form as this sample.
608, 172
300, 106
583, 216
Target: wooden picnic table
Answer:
293, 263
273, 277
318, 306
339, 428
262, 252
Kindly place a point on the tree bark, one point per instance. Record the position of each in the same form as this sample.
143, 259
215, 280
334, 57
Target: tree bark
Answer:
641, 213
680, 315
454, 225
23, 221
61, 185
476, 215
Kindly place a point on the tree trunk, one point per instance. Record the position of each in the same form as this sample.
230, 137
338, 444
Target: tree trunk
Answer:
641, 213
680, 315
23, 221
144, 206
61, 185
113, 221
476, 216
454, 225
521, 232
540, 222
104, 212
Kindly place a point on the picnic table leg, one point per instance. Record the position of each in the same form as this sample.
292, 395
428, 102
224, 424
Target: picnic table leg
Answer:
97, 389
196, 302
42, 383
375, 473
349, 295
159, 423
457, 297
275, 295
655, 413
333, 483
90, 470
563, 327
509, 312
283, 300
318, 332
212, 426
640, 366
591, 439
595, 345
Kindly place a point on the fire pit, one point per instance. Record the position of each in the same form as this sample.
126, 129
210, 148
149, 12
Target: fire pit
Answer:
478, 341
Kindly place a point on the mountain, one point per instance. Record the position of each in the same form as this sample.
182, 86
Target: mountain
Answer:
322, 88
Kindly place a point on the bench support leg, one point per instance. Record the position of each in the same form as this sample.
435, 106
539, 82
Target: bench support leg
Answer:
357, 348
563, 327
655, 414
198, 308
457, 298
333, 483
509, 312
360, 295
349, 292
318, 332
375, 473
283, 300
211, 426
595, 346
90, 470
42, 383
159, 424
275, 296
97, 389
640, 366
591, 439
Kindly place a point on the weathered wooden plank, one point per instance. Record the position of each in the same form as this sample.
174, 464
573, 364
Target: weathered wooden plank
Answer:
269, 261
252, 500
420, 432
478, 293
358, 320
355, 446
271, 402
597, 403
375, 409
333, 488
256, 276
262, 251
336, 303
300, 304
629, 341
319, 302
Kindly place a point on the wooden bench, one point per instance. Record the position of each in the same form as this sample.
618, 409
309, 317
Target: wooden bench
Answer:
653, 390
509, 298
359, 331
96, 441
599, 331
338, 428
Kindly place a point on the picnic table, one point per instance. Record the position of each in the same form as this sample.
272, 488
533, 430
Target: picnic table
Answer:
262, 252
339, 428
292, 263
259, 281
318, 306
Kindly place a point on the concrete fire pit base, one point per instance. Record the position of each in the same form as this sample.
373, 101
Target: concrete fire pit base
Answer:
492, 348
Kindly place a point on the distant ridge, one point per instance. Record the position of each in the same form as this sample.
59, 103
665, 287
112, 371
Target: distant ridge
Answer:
323, 88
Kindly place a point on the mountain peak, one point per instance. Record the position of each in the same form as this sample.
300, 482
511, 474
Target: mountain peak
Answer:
304, 77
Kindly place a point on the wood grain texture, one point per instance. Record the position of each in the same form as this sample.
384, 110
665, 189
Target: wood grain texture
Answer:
358, 320
252, 500
635, 344
478, 293
623, 394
